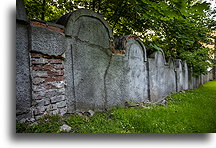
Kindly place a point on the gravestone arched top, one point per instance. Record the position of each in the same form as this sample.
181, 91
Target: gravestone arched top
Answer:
171, 63
184, 65
159, 57
178, 64
71, 18
126, 43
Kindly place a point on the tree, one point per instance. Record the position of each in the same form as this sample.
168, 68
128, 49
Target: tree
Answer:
180, 27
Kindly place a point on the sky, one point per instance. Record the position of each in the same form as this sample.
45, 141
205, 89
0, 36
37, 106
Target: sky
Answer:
212, 3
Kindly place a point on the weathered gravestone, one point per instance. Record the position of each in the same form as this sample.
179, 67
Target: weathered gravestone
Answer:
182, 75
87, 59
170, 80
161, 77
127, 75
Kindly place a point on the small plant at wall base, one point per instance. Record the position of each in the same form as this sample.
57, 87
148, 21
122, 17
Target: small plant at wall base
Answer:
192, 111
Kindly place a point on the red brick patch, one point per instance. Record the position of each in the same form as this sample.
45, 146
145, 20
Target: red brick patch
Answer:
57, 78
55, 61
55, 73
52, 28
48, 67
118, 52
37, 67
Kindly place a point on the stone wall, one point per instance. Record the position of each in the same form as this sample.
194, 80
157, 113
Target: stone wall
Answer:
23, 82
76, 64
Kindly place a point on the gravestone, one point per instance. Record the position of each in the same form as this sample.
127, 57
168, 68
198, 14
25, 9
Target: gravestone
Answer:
179, 75
127, 75
185, 75
88, 48
158, 77
170, 80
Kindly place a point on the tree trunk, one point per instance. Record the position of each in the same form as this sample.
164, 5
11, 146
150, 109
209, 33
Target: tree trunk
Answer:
43, 10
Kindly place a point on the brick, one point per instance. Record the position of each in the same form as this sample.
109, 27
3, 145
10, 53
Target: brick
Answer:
37, 67
48, 86
61, 104
59, 66
39, 110
57, 92
40, 61
56, 99
49, 79
41, 74
38, 88
56, 29
48, 67
36, 55
46, 101
37, 80
40, 103
59, 78
38, 95
55, 61
59, 84
54, 107
63, 111
56, 78
55, 73
52, 28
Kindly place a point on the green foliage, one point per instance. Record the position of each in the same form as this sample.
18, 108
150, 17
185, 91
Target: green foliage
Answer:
176, 26
190, 112
47, 124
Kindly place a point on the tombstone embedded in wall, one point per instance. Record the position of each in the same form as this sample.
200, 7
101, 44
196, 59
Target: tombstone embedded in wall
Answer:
161, 77
179, 75
185, 75
127, 74
170, 77
87, 58
182, 75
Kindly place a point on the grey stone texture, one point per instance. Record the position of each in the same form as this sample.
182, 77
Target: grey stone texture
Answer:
127, 74
20, 11
23, 83
46, 41
161, 77
88, 56
179, 75
77, 65
48, 85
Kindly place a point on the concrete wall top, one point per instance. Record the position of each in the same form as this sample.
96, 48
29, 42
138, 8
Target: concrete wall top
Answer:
47, 38
20, 11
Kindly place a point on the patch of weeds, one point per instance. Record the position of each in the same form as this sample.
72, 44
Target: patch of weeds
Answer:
189, 112
46, 124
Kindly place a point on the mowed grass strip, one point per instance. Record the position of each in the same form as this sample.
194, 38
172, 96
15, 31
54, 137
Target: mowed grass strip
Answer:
191, 112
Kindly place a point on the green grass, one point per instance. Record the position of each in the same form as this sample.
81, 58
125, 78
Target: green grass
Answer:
191, 112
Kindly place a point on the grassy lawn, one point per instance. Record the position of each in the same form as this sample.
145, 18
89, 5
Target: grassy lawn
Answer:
191, 112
